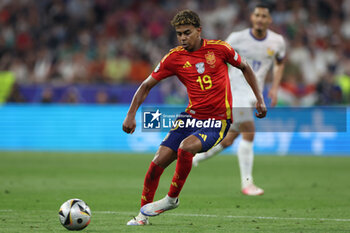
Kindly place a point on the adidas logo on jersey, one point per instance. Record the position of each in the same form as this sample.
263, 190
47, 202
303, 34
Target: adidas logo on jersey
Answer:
203, 136
187, 65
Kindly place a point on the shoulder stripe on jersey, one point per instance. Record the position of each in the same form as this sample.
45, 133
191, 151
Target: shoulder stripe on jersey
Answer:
204, 43
178, 48
220, 42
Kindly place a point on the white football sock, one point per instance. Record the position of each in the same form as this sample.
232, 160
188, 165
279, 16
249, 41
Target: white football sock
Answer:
210, 153
141, 216
171, 199
245, 159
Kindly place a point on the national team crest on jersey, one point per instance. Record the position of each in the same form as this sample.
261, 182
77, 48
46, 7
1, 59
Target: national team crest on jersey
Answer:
200, 67
270, 52
210, 57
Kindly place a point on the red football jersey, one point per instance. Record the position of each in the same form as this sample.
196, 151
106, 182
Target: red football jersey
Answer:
205, 74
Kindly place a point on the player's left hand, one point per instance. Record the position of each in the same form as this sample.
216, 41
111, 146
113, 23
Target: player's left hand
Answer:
273, 96
261, 108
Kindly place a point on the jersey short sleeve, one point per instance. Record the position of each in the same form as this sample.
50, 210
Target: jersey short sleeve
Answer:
163, 69
281, 52
231, 55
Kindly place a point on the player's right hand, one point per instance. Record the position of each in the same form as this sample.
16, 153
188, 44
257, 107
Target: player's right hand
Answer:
129, 124
273, 96
261, 108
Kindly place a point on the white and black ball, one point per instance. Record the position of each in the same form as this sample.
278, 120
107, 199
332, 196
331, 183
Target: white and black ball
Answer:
74, 214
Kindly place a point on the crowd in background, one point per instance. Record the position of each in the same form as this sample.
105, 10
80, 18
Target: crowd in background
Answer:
93, 42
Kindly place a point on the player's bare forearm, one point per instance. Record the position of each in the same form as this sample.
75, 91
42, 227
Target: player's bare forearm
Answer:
277, 76
140, 95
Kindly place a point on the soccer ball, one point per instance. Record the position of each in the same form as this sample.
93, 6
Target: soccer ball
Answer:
74, 214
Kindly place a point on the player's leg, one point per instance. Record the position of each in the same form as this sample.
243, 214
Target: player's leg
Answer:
226, 142
245, 153
188, 147
245, 156
165, 155
201, 140
162, 159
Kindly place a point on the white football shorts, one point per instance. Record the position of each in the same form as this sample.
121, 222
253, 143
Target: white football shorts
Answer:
243, 108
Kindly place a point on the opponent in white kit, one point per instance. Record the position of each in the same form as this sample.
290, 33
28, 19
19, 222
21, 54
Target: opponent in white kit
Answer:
262, 48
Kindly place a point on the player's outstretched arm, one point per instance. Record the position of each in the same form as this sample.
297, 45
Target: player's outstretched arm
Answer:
251, 79
140, 95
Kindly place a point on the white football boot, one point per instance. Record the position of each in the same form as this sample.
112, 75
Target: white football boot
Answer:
196, 159
139, 220
158, 207
201, 156
252, 190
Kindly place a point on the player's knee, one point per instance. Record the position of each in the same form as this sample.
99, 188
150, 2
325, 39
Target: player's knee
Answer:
164, 156
190, 146
187, 147
227, 142
229, 139
247, 127
248, 136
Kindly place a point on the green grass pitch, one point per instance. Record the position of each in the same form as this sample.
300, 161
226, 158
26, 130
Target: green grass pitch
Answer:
302, 194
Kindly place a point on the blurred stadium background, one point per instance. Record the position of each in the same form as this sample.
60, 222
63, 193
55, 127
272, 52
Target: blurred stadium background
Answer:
69, 69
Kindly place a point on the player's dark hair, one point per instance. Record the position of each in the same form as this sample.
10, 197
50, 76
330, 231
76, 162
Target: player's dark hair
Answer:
263, 5
186, 17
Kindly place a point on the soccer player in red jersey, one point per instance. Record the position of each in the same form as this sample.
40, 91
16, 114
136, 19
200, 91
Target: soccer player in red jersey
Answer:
201, 65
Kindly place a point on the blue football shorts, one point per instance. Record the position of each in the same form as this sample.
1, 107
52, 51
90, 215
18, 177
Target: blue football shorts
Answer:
210, 131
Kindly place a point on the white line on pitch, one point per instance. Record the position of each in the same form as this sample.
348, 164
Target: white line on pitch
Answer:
232, 216
213, 216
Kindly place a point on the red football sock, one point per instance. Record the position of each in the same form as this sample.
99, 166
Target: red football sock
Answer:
183, 168
151, 182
